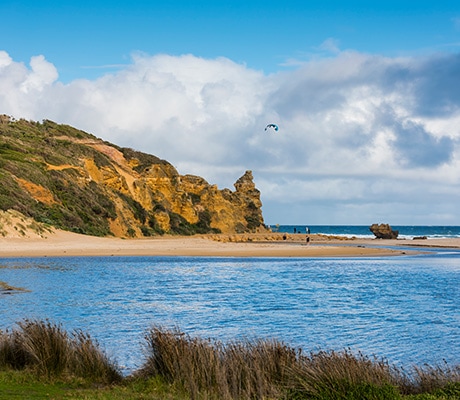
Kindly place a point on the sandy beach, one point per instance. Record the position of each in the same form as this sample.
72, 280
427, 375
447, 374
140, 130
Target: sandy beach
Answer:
61, 243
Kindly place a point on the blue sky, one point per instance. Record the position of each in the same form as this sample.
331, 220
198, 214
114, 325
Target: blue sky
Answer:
265, 35
365, 93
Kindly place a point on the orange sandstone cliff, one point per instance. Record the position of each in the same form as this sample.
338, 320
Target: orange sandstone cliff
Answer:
72, 180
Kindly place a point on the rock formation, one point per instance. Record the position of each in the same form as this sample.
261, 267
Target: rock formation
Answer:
72, 180
383, 231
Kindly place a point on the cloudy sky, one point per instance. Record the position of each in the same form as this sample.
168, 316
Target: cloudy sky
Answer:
366, 95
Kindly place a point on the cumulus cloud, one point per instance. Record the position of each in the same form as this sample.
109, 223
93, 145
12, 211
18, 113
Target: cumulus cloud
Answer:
360, 135
42, 74
5, 59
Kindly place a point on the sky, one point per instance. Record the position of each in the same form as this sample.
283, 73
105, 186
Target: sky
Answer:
366, 95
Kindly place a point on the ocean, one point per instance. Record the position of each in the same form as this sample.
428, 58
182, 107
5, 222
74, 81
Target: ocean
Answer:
362, 231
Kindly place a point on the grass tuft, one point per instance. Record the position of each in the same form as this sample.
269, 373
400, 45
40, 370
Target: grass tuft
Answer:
237, 370
337, 375
49, 351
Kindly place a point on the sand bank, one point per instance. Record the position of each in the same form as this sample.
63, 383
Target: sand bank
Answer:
60, 243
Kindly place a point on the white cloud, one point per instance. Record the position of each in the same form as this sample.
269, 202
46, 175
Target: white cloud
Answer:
5, 59
358, 132
43, 73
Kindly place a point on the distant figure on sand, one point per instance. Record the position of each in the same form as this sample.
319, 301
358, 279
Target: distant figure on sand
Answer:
308, 239
307, 230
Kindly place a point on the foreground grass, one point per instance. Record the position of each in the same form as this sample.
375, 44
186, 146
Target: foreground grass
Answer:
23, 385
40, 360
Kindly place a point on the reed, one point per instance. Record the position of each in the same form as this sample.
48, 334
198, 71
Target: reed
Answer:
49, 351
12, 355
89, 362
198, 368
46, 346
333, 374
428, 379
236, 370
265, 369
257, 369
192, 363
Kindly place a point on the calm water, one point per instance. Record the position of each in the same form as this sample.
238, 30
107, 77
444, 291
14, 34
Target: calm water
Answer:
403, 308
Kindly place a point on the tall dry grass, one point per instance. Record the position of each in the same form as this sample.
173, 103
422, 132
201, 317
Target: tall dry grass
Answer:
333, 374
49, 351
427, 379
214, 370
257, 369
206, 369
268, 369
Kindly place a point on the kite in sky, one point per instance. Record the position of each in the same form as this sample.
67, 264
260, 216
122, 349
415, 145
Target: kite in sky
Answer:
272, 126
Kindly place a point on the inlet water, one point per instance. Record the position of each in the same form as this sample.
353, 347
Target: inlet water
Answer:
405, 309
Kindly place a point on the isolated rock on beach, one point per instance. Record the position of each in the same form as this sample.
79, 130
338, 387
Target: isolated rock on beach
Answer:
383, 231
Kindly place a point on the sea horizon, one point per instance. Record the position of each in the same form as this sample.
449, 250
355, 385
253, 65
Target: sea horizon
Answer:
363, 231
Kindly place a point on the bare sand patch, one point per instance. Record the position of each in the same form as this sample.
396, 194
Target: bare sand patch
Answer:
23, 237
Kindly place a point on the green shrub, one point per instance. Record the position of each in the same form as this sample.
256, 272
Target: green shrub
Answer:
179, 225
204, 223
144, 160
140, 213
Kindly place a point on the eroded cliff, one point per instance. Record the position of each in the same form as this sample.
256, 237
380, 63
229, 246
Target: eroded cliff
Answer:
72, 180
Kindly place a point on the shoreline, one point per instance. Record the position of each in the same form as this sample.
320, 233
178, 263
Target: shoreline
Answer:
67, 244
